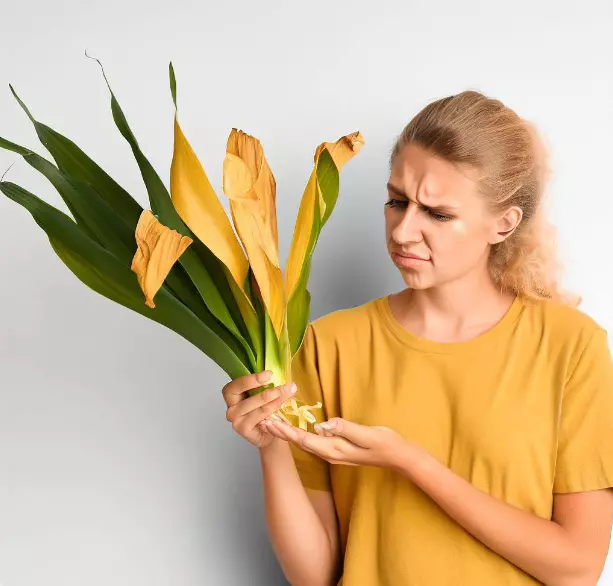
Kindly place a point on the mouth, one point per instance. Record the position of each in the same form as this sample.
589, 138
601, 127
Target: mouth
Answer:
411, 256
408, 260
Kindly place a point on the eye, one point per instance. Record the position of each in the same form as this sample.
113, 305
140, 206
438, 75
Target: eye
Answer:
439, 217
392, 203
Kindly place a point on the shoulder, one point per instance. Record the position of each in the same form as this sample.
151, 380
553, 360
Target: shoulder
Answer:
560, 316
344, 325
561, 323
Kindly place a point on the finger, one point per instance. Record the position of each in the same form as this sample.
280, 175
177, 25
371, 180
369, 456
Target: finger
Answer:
233, 391
320, 446
253, 417
322, 432
267, 412
357, 434
267, 401
272, 429
285, 431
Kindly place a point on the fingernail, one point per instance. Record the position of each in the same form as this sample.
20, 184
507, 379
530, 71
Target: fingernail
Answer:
292, 388
262, 377
327, 425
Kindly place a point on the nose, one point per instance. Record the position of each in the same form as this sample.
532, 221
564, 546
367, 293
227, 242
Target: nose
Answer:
408, 229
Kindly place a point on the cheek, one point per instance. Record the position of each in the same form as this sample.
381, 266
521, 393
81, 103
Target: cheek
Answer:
449, 237
460, 228
457, 239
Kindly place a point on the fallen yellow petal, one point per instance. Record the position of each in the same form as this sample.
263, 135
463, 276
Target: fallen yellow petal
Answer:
251, 188
302, 412
158, 250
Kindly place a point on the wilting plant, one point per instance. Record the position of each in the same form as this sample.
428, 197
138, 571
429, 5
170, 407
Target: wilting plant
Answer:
180, 262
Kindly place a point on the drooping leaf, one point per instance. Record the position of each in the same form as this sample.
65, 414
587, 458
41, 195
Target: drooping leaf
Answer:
316, 206
95, 217
158, 249
104, 273
299, 303
197, 261
88, 209
72, 161
250, 185
198, 206
154, 264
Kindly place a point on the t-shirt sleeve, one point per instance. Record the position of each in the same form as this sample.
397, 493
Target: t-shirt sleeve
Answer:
585, 440
314, 471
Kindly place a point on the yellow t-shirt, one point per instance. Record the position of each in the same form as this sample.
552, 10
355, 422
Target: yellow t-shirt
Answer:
522, 411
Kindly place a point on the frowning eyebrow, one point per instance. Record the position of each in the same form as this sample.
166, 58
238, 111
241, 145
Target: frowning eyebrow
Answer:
440, 208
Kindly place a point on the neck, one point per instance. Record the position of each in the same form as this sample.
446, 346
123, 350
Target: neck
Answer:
454, 310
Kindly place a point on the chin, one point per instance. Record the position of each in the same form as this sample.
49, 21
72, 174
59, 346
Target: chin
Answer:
415, 281
417, 286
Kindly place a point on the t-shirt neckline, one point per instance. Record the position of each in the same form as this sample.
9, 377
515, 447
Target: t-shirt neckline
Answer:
425, 345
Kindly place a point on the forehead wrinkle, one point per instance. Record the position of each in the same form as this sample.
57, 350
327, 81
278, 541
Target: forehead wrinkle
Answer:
470, 175
423, 200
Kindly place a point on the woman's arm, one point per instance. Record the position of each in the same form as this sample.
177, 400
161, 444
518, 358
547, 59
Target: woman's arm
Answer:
570, 550
302, 524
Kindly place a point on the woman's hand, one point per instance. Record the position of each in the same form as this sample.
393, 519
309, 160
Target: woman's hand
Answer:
346, 442
247, 413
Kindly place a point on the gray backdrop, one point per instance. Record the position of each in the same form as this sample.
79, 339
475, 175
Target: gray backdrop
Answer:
117, 465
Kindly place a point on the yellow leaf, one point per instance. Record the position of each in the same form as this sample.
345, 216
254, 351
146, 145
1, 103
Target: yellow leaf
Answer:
159, 248
199, 207
341, 151
302, 235
250, 185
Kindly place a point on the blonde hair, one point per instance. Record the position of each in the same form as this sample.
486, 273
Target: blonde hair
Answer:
474, 131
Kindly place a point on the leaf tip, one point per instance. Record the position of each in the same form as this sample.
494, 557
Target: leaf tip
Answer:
2, 178
173, 83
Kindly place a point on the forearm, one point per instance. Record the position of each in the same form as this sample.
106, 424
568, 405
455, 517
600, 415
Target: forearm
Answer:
540, 547
298, 536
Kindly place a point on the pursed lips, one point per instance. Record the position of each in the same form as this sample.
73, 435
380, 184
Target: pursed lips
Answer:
411, 256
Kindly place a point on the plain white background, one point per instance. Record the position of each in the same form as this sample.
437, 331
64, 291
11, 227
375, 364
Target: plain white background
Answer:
116, 462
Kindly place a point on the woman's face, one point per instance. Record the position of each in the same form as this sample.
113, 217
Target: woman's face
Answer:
435, 213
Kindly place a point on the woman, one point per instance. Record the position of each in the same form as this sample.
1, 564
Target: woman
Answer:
472, 411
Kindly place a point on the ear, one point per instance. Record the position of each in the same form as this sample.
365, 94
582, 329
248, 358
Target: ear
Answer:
506, 224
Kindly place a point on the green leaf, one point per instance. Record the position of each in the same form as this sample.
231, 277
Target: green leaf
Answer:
99, 222
272, 353
100, 270
329, 183
72, 161
180, 284
89, 210
173, 83
258, 304
195, 269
